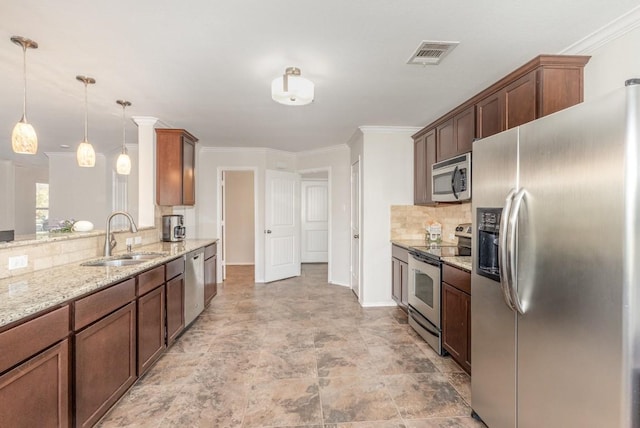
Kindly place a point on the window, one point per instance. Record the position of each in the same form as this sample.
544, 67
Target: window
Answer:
42, 207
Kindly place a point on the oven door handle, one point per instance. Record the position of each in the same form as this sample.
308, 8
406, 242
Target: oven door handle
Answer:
503, 257
511, 248
422, 259
453, 182
427, 328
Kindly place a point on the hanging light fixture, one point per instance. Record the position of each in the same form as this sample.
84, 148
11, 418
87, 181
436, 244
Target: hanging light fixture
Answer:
291, 89
123, 164
85, 154
23, 138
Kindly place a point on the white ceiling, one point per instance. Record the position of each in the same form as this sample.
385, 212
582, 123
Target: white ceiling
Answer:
207, 65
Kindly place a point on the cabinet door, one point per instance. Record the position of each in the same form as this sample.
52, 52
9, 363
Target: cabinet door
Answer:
455, 326
404, 276
105, 364
151, 328
446, 144
490, 115
520, 101
175, 308
36, 393
210, 284
188, 172
424, 155
464, 124
396, 280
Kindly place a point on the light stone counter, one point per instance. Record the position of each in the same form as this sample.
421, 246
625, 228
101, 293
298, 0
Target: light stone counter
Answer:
25, 295
460, 262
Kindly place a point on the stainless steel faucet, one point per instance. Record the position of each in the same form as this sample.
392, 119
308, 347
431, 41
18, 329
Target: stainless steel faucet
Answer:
110, 240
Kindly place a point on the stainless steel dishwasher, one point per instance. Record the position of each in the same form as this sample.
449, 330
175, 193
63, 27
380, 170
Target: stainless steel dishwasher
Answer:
193, 285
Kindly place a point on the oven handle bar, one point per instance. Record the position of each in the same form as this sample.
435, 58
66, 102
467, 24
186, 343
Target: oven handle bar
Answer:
503, 257
427, 328
424, 259
513, 223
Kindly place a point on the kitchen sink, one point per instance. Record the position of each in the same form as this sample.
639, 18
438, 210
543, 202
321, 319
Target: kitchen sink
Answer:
124, 259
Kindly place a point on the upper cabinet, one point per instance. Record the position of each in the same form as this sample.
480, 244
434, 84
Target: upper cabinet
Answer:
175, 167
544, 85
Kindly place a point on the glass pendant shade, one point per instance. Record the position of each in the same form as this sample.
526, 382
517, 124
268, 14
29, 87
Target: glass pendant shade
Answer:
85, 155
24, 139
291, 89
123, 164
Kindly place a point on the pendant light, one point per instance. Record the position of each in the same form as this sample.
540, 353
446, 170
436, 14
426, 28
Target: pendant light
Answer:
123, 164
23, 138
85, 154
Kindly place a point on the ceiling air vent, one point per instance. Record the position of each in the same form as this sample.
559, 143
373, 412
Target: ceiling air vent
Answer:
431, 52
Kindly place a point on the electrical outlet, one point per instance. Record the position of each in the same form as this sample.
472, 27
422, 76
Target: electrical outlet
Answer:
138, 240
18, 262
451, 237
129, 241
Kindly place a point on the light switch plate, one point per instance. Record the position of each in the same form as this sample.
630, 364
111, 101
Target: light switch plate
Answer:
18, 262
138, 240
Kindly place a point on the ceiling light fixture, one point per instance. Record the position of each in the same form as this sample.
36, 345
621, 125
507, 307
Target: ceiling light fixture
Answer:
23, 138
85, 154
291, 89
123, 164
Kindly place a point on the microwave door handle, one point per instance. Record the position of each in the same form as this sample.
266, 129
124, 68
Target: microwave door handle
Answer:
453, 182
503, 257
511, 246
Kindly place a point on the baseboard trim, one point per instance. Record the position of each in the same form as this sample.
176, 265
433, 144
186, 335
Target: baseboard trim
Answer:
240, 264
387, 303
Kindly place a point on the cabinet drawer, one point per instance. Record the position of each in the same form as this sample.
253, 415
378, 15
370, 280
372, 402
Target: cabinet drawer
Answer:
400, 253
41, 332
97, 305
150, 279
210, 251
457, 278
175, 267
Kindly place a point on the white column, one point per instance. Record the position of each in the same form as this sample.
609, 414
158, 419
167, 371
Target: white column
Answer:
146, 170
7, 195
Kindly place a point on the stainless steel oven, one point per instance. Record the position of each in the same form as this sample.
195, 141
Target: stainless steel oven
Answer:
424, 298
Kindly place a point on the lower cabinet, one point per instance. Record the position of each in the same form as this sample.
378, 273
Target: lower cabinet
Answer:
105, 364
456, 315
400, 276
175, 308
36, 393
151, 328
210, 277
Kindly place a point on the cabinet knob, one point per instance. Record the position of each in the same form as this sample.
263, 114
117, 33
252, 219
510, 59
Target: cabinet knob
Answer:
356, 236
267, 231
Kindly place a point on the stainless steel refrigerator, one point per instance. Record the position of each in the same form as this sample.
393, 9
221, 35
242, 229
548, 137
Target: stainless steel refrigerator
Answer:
555, 306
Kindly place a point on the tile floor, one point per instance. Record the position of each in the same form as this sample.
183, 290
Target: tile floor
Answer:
297, 353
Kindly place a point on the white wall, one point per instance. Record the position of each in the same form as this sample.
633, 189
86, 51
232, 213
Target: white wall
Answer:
336, 159
7, 192
239, 207
386, 180
26, 177
77, 193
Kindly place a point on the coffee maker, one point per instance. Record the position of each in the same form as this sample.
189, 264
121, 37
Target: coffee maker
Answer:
173, 229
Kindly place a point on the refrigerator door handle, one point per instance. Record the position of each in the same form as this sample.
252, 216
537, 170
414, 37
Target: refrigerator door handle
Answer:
513, 268
503, 256
453, 182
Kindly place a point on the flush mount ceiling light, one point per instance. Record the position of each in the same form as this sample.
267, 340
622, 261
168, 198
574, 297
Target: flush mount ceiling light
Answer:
123, 164
291, 89
85, 154
23, 138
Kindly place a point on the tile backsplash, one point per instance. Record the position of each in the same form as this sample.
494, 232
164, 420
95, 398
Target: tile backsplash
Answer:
408, 222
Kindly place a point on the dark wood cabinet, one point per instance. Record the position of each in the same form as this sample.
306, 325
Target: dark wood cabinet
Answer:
175, 308
210, 274
400, 275
489, 117
455, 136
175, 167
105, 364
151, 328
424, 155
456, 315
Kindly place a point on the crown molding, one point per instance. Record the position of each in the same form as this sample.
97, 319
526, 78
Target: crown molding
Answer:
262, 150
611, 31
321, 150
145, 120
389, 129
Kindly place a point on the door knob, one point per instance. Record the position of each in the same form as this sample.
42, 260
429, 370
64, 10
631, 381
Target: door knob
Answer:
356, 236
267, 231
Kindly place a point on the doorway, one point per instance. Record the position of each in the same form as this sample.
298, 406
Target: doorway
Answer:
238, 219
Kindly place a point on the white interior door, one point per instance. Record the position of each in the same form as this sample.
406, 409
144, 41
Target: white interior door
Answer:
223, 235
315, 221
282, 225
355, 228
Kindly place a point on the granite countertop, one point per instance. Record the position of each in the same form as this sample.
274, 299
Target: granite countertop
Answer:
460, 262
25, 295
408, 244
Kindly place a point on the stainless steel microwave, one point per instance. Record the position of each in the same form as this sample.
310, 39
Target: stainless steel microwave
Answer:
451, 179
